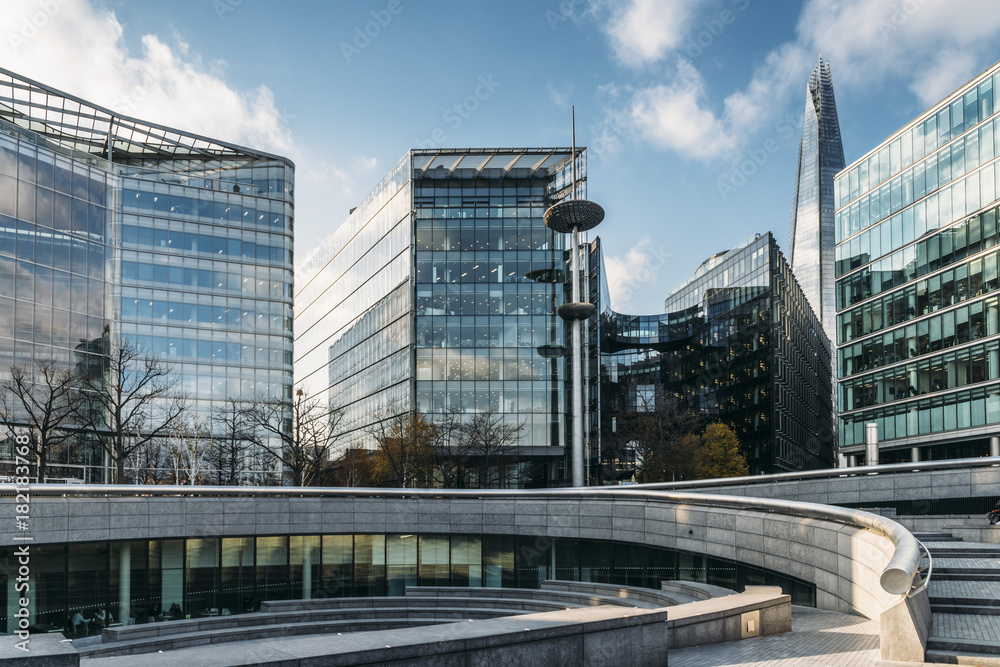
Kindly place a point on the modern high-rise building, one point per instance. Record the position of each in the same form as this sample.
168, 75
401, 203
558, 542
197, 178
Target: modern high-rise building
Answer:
917, 284
439, 293
116, 228
737, 342
811, 237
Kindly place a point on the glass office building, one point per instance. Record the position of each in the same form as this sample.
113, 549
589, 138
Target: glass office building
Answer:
811, 236
436, 294
739, 342
917, 286
114, 228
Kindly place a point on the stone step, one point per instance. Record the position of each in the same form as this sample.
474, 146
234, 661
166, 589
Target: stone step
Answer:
952, 606
949, 658
964, 646
936, 537
965, 634
965, 575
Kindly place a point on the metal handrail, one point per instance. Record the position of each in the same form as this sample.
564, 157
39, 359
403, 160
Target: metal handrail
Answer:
896, 578
923, 572
832, 473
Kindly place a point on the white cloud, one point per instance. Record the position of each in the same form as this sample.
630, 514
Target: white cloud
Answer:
560, 96
644, 31
78, 47
926, 45
672, 116
75, 47
630, 274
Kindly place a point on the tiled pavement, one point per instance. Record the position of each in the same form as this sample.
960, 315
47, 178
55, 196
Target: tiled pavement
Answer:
818, 638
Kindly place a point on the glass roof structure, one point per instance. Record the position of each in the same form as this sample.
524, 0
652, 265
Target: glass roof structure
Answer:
78, 125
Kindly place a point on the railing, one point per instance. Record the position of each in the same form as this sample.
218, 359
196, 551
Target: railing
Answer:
833, 473
897, 577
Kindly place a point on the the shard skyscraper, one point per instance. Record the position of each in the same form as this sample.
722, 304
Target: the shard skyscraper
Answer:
811, 237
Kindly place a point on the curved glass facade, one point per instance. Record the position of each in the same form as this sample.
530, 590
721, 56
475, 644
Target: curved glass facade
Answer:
918, 325
111, 227
138, 581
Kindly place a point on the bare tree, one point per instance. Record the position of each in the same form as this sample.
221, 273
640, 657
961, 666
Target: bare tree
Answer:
187, 447
649, 439
306, 431
352, 468
148, 464
490, 442
405, 453
231, 455
39, 397
133, 404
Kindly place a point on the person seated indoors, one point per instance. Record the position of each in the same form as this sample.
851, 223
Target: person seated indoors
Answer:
102, 618
175, 612
76, 621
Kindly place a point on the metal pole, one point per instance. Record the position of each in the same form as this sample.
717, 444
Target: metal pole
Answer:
577, 460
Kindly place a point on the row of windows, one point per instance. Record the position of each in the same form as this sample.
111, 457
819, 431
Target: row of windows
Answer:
52, 210
913, 223
205, 244
39, 323
521, 299
947, 371
237, 211
42, 167
482, 331
941, 250
203, 279
454, 235
925, 296
958, 326
514, 399
455, 208
964, 113
492, 188
965, 409
137, 580
30, 244
201, 314
489, 267
479, 365
242, 352
951, 163
742, 269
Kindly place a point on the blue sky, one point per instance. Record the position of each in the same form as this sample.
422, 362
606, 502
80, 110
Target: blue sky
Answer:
673, 97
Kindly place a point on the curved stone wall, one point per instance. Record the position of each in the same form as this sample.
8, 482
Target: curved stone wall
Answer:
844, 561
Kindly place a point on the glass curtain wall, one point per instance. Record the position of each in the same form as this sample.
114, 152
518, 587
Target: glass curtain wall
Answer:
917, 279
163, 580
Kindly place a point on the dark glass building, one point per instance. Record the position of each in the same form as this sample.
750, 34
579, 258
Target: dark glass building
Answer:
739, 342
917, 284
436, 295
115, 228
811, 237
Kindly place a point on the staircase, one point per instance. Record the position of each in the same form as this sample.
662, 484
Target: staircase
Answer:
965, 601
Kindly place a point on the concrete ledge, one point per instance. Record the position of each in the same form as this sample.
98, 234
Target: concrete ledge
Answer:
760, 611
44, 650
592, 636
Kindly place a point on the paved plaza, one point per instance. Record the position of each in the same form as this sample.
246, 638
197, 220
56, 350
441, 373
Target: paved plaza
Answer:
817, 638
